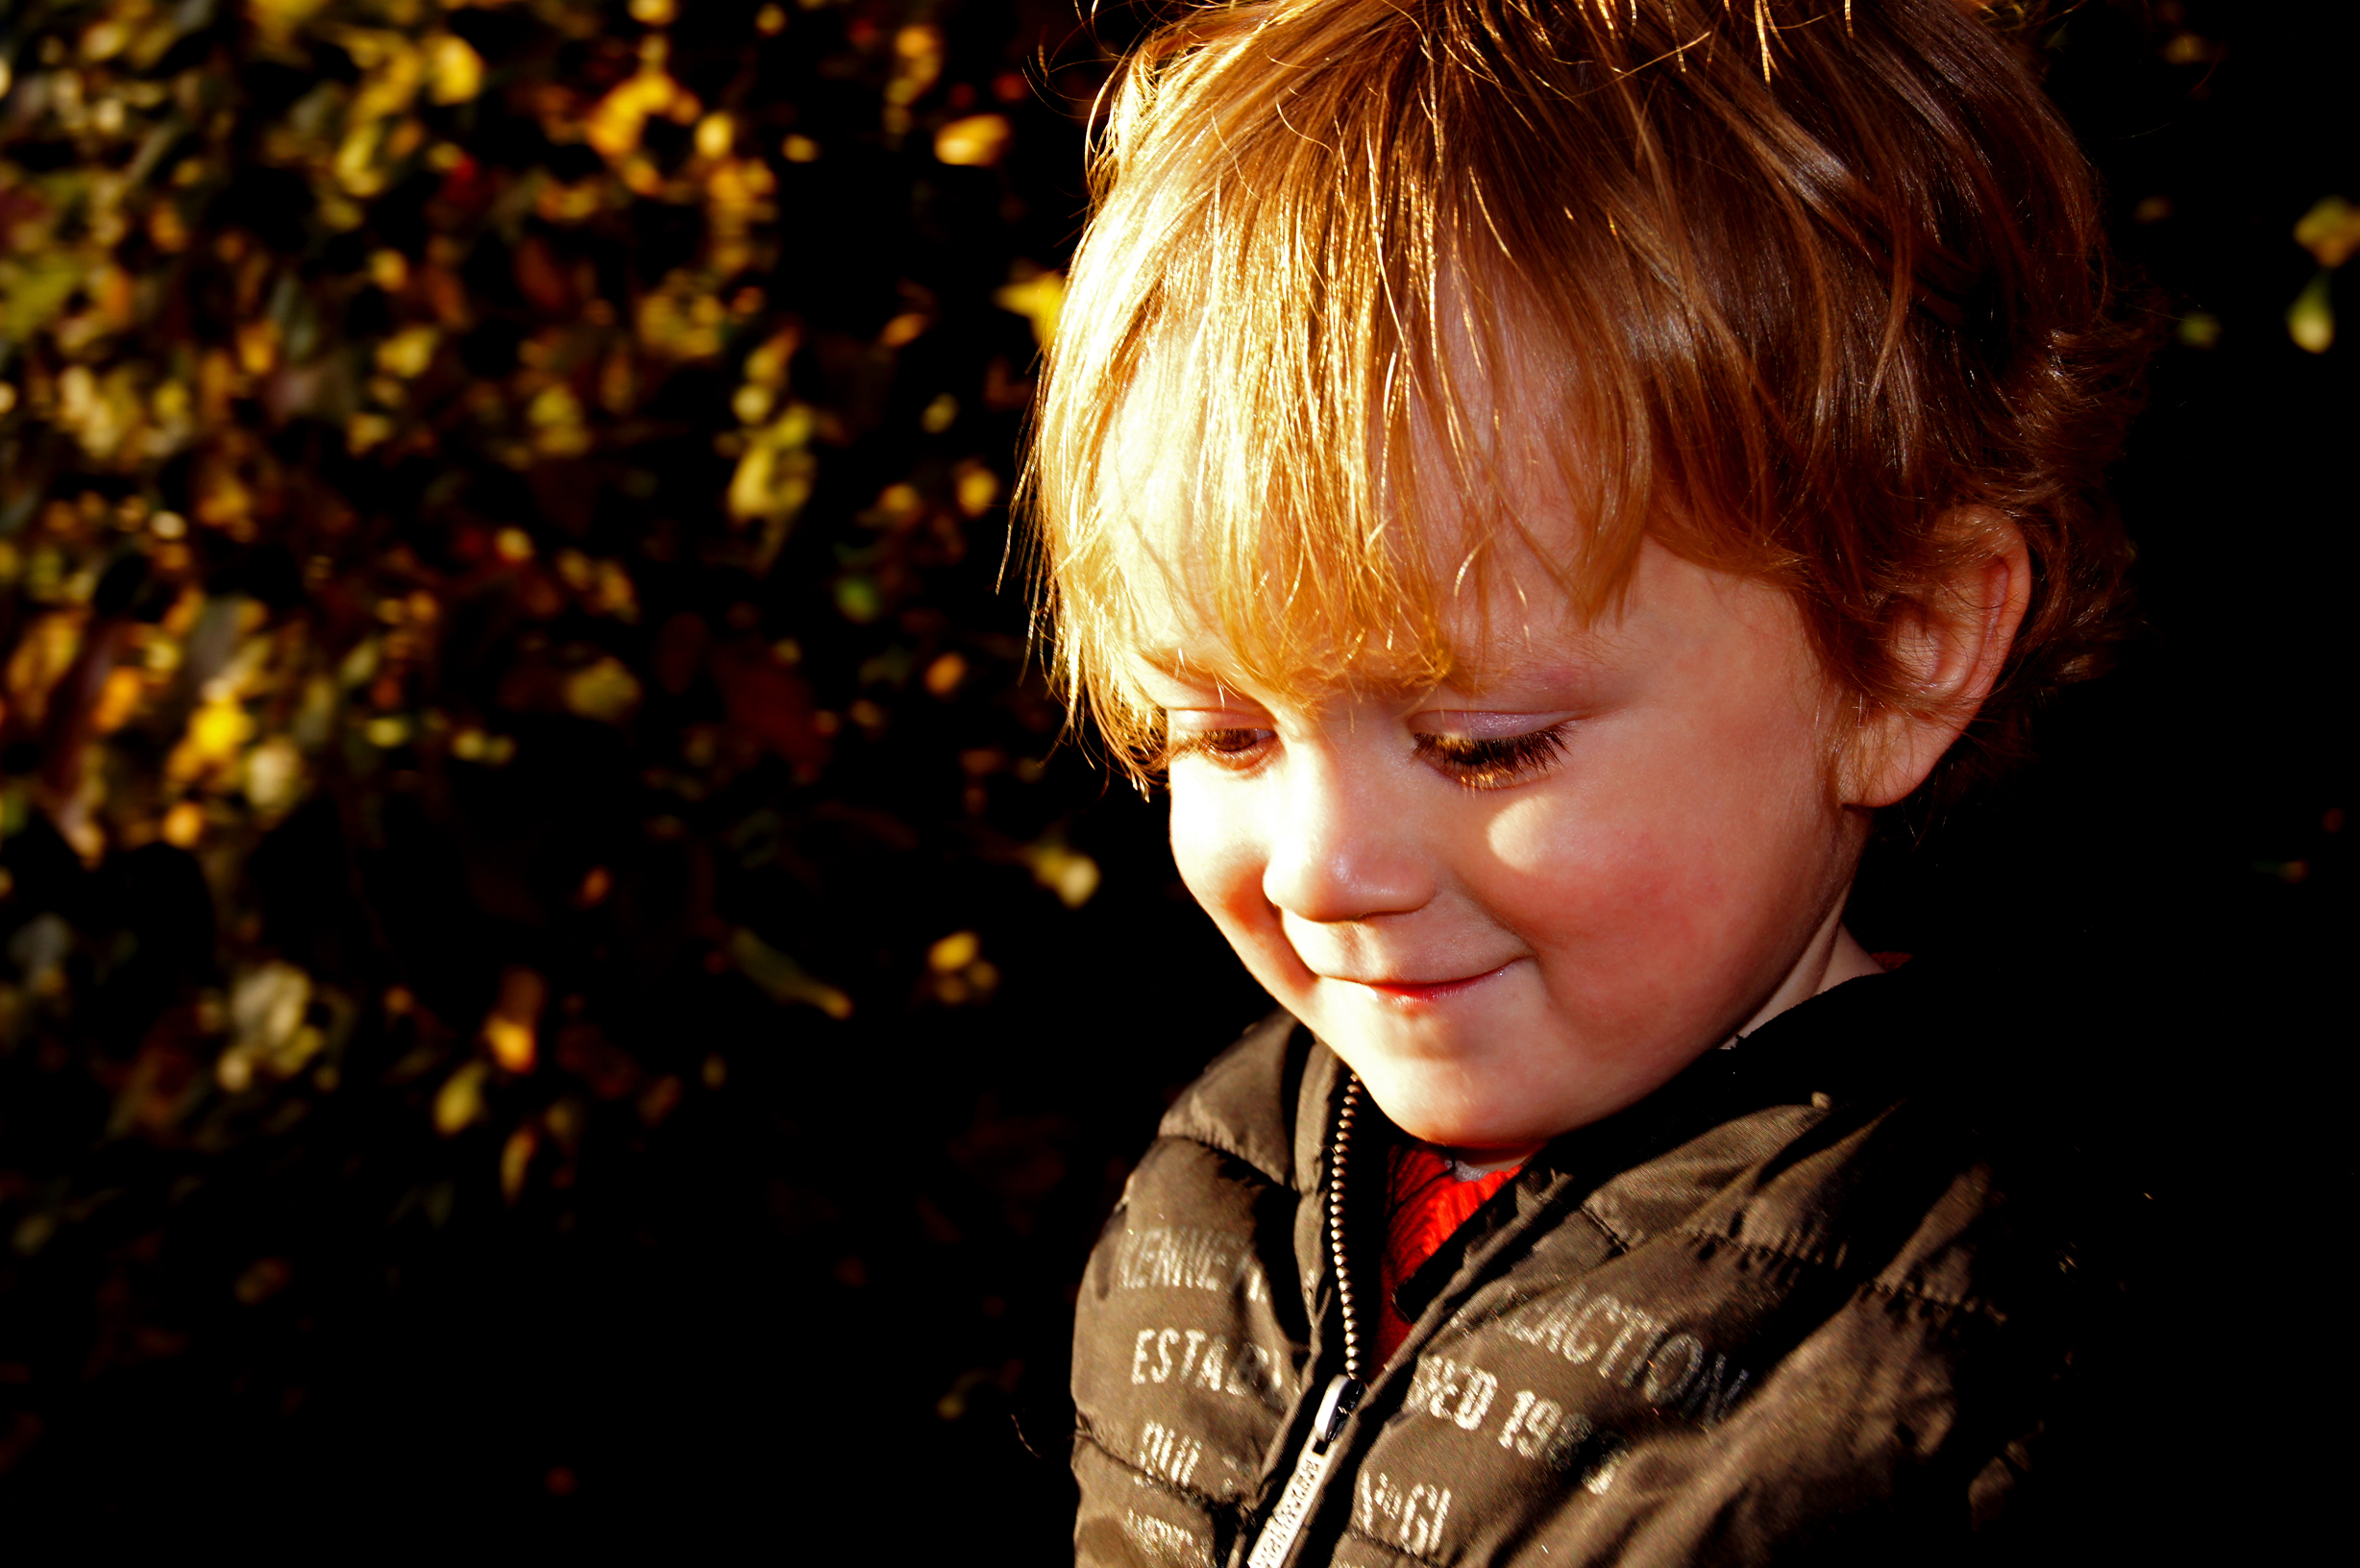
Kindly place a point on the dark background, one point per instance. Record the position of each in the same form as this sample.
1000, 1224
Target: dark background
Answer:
477, 1035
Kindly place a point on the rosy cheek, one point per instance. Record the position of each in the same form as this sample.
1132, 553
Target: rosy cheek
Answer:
1577, 864
1617, 892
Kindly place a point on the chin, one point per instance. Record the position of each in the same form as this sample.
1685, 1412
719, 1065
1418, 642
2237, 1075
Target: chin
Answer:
1435, 1104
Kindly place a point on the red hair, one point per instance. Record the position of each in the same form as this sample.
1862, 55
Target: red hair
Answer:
1783, 284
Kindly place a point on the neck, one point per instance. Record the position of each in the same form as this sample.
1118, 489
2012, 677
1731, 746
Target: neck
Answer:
1832, 957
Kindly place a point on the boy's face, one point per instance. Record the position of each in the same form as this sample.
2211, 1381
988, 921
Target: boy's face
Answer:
1516, 908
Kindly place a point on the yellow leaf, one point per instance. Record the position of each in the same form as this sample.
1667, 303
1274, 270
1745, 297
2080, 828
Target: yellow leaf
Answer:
753, 403
39, 290
612, 592
522, 995
234, 1071
460, 1102
111, 289
2310, 321
409, 351
945, 674
554, 405
258, 346
274, 776
184, 825
606, 692
515, 1160
367, 430
569, 204
276, 20
767, 365
118, 699
453, 71
215, 732
1070, 874
616, 122
680, 318
977, 488
555, 414
1038, 298
390, 270
301, 1047
977, 141
43, 654
954, 952
782, 977
166, 227
512, 1043
775, 475
268, 1009
918, 61
2330, 231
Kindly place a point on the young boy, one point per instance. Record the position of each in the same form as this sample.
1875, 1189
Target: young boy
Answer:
1541, 476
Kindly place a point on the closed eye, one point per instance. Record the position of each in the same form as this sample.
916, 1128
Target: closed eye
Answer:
1235, 747
1493, 762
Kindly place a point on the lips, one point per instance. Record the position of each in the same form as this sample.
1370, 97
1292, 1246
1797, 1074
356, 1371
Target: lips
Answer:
1414, 992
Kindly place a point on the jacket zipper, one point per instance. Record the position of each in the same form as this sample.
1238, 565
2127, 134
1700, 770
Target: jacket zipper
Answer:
1344, 1391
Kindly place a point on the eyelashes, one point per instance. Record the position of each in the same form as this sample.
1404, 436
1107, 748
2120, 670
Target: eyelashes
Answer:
1488, 763
1493, 763
1233, 749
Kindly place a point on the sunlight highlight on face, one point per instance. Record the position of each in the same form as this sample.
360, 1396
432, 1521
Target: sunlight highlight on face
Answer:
1518, 907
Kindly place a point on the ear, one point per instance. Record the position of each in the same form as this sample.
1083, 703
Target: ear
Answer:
1948, 647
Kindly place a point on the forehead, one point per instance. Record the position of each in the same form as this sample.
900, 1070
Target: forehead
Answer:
1420, 557
1695, 625
1489, 627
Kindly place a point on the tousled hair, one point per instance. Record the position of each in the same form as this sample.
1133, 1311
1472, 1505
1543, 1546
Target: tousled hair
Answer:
1784, 284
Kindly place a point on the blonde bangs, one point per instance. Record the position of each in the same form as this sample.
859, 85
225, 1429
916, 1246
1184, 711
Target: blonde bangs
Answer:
1269, 408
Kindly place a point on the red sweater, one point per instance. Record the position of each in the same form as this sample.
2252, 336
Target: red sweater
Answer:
1427, 1198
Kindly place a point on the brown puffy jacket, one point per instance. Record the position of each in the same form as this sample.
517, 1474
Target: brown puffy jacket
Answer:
1810, 1302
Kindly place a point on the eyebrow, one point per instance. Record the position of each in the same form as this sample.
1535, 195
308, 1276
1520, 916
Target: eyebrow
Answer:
1162, 661
1176, 668
1562, 665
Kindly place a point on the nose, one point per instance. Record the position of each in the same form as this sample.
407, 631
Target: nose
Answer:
1343, 845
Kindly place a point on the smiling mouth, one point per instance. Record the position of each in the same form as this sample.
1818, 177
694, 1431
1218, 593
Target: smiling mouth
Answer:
1430, 991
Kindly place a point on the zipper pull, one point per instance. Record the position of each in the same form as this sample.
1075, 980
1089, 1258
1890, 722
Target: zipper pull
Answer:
1311, 1467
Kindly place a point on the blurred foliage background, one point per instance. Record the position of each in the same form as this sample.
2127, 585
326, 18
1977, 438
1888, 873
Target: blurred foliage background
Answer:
554, 966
